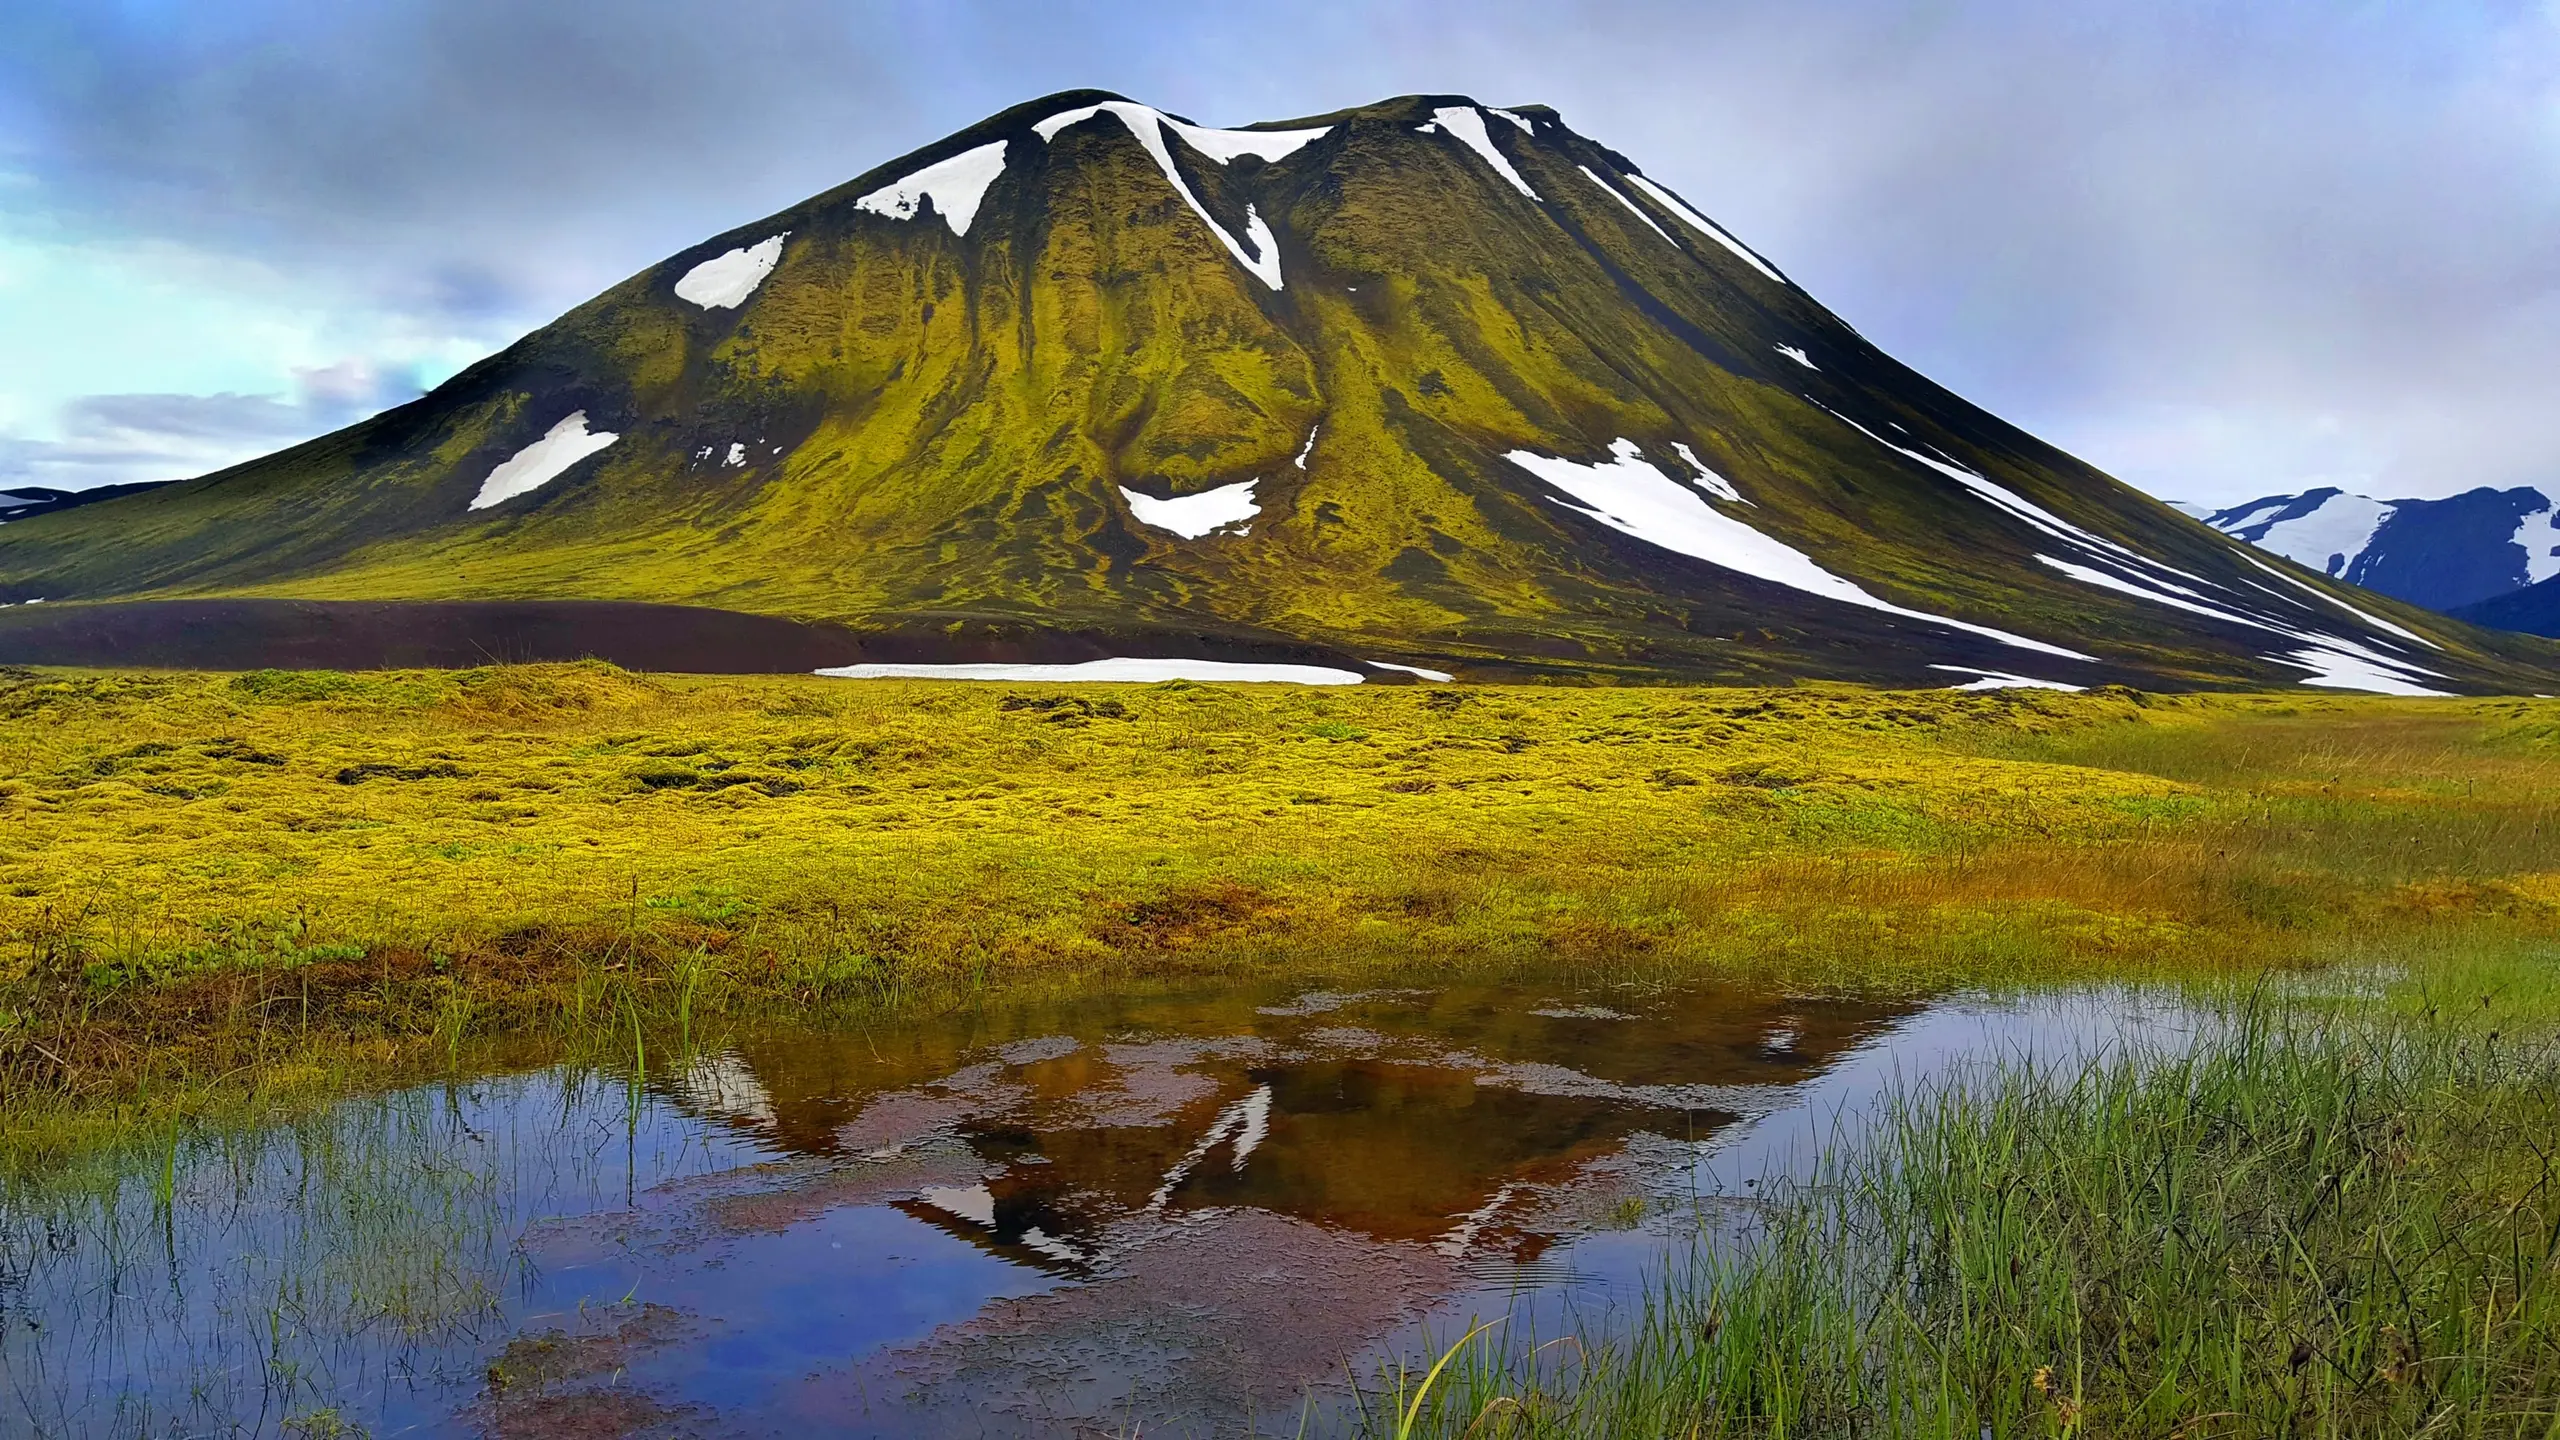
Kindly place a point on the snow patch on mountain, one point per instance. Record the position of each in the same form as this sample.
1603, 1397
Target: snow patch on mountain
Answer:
1628, 494
1798, 356
1706, 479
2127, 571
1192, 516
2335, 670
1632, 207
1704, 226
1148, 125
2328, 537
724, 281
1441, 676
1228, 145
2358, 611
1526, 126
541, 462
2540, 538
1465, 124
2334, 662
1118, 671
2002, 680
955, 186
2053, 526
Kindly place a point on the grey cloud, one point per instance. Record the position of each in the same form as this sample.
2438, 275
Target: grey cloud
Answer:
2224, 249
181, 419
111, 439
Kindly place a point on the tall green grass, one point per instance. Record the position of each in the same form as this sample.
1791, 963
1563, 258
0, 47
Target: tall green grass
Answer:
2314, 1223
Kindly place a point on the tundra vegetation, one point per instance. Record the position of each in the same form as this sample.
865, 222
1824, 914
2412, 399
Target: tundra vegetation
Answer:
228, 896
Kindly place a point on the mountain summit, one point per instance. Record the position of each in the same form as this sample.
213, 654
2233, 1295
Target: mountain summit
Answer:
1425, 384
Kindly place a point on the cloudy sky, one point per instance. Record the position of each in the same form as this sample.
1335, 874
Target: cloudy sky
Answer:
2220, 249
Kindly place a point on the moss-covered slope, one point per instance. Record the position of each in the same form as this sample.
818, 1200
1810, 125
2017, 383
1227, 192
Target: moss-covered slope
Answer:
933, 414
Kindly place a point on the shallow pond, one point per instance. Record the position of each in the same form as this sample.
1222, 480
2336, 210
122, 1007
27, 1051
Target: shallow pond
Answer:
1161, 1214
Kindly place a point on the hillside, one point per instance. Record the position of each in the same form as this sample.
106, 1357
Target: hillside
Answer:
1424, 383
2533, 610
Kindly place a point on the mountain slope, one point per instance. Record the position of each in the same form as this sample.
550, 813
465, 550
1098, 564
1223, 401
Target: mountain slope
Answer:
2443, 554
1422, 381
2533, 610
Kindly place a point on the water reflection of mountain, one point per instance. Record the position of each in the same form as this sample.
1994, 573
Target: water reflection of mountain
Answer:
1448, 1118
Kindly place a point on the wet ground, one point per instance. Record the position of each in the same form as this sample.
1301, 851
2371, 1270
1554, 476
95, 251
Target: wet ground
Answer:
254, 634
1206, 1213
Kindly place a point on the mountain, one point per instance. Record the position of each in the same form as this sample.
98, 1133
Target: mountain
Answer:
35, 500
2534, 610
2442, 554
1425, 384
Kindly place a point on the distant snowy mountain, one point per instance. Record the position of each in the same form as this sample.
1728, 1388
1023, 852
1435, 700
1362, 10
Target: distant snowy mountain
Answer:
28, 503
2443, 554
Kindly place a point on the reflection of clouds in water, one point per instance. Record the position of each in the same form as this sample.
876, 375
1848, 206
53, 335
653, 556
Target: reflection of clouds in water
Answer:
1032, 1052
1233, 1312
721, 1086
1320, 1002
1152, 1082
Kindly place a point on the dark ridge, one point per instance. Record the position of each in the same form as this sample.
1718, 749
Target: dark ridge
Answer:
250, 634
2533, 610
28, 502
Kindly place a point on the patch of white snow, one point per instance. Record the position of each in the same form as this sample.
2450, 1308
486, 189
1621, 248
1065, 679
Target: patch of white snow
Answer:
1630, 495
2337, 662
1798, 356
2540, 538
528, 469
2359, 612
724, 281
2349, 659
1442, 676
1705, 226
2329, 538
955, 186
737, 454
2019, 506
2002, 680
1465, 124
1192, 516
1147, 125
1117, 671
1526, 128
1708, 480
1307, 449
1632, 207
1226, 145
2337, 670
